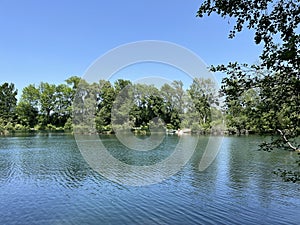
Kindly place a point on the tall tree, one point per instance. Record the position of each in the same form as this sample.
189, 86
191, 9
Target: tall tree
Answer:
47, 101
31, 95
139, 109
106, 97
63, 105
173, 103
275, 25
203, 95
8, 101
28, 107
179, 95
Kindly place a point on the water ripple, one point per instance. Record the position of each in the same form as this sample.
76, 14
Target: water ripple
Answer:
45, 180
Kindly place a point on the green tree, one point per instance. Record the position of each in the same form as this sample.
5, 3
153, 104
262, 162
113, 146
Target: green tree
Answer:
31, 95
173, 103
106, 97
63, 105
148, 103
242, 113
73, 81
179, 95
139, 110
47, 103
203, 95
8, 101
27, 115
28, 107
121, 84
47, 99
275, 25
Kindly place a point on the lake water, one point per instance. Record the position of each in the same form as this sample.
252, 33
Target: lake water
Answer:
44, 179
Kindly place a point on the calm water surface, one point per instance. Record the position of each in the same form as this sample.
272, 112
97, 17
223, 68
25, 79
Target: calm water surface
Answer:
45, 180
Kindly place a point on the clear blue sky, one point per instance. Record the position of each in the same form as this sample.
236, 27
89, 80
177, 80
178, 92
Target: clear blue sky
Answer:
52, 40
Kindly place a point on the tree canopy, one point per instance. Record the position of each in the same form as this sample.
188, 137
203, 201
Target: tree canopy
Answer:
8, 100
271, 87
96, 107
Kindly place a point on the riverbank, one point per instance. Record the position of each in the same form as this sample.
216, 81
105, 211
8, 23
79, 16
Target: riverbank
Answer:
136, 130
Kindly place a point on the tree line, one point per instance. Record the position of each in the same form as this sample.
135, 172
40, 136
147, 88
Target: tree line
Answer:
42, 107
105, 104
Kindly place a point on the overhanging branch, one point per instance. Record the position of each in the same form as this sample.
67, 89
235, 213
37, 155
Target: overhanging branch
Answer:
287, 141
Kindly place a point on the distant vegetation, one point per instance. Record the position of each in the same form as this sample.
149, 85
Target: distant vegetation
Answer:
138, 106
104, 107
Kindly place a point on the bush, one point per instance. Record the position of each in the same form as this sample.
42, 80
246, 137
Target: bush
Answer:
9, 126
170, 126
50, 127
69, 125
21, 127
